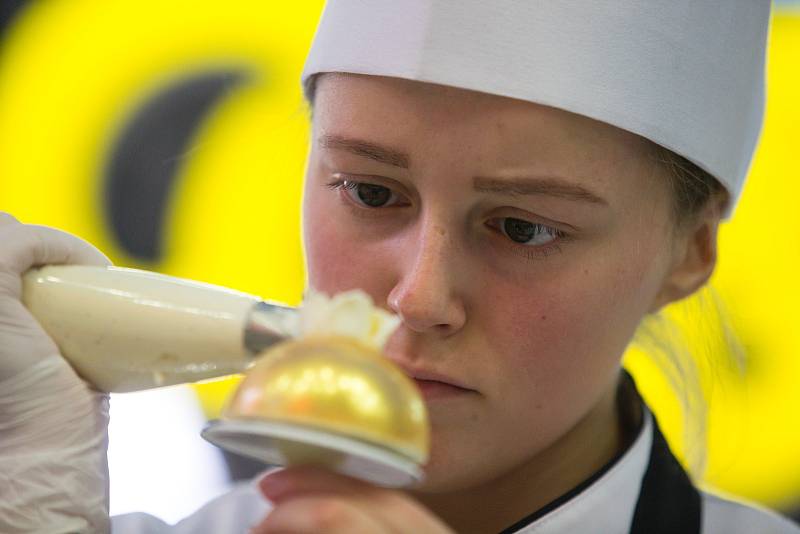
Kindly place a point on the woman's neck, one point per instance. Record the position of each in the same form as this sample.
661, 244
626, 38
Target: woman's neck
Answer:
498, 504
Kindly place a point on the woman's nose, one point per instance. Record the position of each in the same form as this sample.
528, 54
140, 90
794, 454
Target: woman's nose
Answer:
426, 295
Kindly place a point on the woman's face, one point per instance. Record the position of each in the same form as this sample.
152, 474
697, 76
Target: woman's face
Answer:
520, 244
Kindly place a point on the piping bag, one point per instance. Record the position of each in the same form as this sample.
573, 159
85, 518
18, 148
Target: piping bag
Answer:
316, 389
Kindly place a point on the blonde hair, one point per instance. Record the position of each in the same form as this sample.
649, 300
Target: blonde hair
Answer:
695, 350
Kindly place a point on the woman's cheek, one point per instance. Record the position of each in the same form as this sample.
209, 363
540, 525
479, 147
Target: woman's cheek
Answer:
567, 328
339, 257
580, 315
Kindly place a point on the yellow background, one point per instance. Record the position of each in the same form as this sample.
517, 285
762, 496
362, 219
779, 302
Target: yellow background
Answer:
73, 71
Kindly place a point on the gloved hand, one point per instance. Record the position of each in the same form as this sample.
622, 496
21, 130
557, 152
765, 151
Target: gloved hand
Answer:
53, 427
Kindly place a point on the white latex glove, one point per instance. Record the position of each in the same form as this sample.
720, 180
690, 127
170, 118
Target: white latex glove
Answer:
53, 427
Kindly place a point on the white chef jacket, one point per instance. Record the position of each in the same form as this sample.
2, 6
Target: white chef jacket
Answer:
606, 505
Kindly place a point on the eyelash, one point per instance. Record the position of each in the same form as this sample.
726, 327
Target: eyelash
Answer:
342, 185
351, 185
526, 251
530, 252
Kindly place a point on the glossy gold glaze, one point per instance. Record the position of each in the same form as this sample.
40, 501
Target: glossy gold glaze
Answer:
339, 385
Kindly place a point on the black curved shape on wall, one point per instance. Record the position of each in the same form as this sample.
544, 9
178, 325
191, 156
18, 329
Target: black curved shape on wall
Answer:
146, 157
9, 9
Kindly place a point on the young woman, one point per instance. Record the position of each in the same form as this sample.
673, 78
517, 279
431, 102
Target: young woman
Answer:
497, 174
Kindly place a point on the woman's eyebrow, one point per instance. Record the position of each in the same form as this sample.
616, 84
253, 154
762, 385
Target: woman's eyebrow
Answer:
366, 149
550, 186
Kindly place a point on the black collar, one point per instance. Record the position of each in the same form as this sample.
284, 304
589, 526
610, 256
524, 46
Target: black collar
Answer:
668, 502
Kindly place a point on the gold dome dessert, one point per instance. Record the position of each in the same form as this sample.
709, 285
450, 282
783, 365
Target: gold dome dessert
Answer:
330, 397
339, 385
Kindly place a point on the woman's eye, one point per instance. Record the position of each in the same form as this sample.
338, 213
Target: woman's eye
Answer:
373, 195
367, 194
527, 233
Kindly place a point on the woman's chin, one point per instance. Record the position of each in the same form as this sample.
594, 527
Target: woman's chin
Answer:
449, 470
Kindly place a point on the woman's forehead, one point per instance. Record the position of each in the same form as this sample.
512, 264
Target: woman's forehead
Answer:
414, 114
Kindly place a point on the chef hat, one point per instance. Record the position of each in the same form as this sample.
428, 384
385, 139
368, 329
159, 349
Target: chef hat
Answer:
686, 74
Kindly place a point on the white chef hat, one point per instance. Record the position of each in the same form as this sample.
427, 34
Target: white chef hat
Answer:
686, 74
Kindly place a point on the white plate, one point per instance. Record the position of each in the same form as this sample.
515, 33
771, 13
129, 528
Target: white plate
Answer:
261, 440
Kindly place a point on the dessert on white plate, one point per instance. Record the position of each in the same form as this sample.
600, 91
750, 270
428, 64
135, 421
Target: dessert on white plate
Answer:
328, 397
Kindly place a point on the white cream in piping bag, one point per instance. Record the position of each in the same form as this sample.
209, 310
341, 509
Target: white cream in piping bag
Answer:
349, 314
128, 330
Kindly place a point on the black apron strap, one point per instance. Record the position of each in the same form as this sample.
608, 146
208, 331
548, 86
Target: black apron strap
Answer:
668, 502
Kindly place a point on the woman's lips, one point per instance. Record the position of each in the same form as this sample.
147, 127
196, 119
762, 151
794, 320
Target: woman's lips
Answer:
431, 383
433, 389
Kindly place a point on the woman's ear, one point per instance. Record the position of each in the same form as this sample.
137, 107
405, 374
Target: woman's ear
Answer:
694, 255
